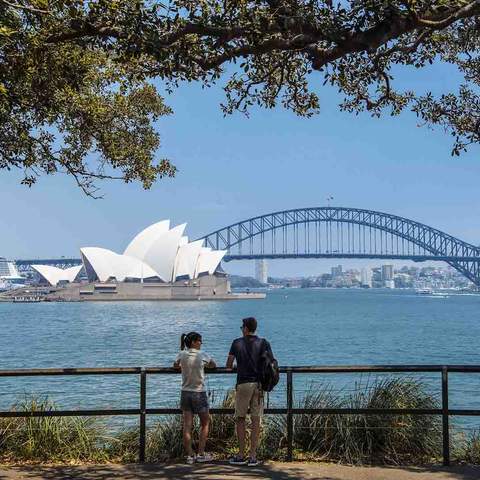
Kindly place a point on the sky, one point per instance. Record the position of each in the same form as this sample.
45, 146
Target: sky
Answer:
232, 168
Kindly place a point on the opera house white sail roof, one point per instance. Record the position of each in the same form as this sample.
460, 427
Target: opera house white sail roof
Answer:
161, 253
187, 258
105, 265
158, 253
55, 275
143, 241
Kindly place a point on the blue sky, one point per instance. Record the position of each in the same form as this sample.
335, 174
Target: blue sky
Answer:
233, 168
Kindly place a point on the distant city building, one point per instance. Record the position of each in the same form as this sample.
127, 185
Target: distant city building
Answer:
405, 277
366, 277
389, 284
387, 273
336, 271
261, 270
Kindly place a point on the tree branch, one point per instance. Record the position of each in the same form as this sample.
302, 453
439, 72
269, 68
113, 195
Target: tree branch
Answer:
26, 8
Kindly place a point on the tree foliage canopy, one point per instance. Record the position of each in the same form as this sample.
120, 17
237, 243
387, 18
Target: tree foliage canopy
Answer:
75, 75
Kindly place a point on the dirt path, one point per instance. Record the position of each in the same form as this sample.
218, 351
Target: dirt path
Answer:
222, 471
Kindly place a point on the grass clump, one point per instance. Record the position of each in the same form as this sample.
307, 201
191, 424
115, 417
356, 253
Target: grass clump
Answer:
164, 438
357, 439
50, 438
467, 449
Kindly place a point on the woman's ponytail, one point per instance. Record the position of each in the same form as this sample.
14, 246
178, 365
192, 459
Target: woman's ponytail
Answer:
187, 339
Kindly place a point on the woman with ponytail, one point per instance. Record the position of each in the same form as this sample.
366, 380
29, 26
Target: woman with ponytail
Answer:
193, 399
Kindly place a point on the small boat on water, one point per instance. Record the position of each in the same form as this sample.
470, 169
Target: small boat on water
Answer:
439, 295
430, 293
27, 299
424, 291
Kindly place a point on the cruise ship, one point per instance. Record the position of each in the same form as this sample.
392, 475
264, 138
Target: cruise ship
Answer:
9, 276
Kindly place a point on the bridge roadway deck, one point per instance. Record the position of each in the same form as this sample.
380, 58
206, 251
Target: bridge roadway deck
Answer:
222, 471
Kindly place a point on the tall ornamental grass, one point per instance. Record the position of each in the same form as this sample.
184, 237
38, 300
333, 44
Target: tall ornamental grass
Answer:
164, 438
50, 438
358, 439
467, 448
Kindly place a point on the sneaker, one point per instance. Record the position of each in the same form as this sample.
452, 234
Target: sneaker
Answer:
206, 457
190, 459
252, 462
237, 460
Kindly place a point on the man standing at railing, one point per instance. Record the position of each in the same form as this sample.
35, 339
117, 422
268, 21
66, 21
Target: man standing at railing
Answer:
247, 351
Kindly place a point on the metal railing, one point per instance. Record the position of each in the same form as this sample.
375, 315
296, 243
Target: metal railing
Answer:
289, 411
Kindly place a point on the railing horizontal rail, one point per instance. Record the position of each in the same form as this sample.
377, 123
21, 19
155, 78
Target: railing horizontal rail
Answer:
69, 413
283, 369
289, 411
32, 372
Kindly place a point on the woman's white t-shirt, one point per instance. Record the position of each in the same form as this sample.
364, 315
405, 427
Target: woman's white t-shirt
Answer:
193, 362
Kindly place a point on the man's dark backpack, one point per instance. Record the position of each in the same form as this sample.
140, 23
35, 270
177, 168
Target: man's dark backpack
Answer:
269, 373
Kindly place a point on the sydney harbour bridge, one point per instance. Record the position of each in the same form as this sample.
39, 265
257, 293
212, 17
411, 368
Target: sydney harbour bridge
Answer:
333, 232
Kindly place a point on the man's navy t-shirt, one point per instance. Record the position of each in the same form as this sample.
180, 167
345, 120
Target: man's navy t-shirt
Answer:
248, 357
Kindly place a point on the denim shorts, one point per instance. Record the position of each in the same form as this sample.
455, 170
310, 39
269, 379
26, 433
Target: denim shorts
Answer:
195, 402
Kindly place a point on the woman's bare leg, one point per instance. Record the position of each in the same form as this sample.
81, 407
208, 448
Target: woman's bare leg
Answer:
187, 432
204, 424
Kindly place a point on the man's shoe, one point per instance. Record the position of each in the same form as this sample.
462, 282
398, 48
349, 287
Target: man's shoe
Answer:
237, 460
206, 457
252, 462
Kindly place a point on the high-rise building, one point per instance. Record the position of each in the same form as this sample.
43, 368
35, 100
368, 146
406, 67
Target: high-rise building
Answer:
261, 270
366, 277
337, 271
387, 272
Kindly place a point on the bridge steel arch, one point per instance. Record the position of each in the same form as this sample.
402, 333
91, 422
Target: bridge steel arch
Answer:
409, 240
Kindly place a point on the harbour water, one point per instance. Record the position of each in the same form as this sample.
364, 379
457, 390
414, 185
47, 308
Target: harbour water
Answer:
305, 327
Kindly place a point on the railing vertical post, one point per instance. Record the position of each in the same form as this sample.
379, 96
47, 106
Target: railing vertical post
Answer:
143, 406
289, 415
445, 418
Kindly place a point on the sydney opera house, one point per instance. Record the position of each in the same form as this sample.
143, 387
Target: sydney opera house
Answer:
159, 263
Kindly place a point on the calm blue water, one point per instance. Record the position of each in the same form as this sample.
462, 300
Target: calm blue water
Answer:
304, 326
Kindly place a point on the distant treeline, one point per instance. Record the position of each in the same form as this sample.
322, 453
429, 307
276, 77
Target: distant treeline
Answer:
238, 281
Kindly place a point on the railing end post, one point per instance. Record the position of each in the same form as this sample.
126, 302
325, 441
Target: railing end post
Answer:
143, 407
445, 418
289, 415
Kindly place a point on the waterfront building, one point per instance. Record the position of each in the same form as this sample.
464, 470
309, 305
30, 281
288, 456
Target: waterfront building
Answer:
158, 264
366, 277
157, 254
261, 270
389, 284
387, 273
